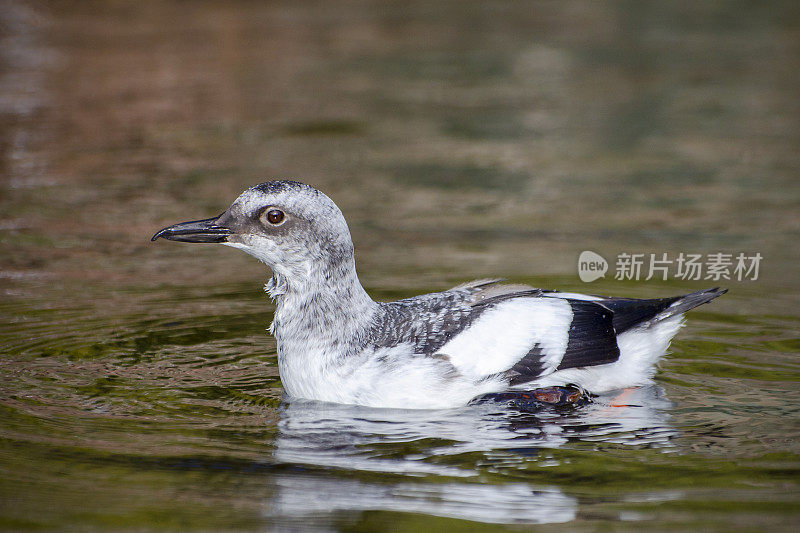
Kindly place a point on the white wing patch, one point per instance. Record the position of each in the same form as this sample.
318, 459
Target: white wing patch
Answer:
504, 334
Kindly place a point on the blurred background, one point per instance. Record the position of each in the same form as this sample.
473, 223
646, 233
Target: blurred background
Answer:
462, 140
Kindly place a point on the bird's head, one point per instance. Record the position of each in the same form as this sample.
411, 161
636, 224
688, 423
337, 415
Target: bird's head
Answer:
294, 228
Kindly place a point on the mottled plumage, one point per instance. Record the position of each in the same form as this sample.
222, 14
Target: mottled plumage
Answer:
436, 350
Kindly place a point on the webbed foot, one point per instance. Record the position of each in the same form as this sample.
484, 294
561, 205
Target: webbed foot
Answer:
569, 395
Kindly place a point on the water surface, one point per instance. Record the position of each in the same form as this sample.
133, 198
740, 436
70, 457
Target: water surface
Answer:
138, 386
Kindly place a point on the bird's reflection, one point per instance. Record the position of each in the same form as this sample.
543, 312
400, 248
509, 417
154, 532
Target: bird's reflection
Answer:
437, 461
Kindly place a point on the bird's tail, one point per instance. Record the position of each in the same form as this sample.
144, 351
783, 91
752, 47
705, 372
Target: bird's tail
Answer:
690, 301
631, 313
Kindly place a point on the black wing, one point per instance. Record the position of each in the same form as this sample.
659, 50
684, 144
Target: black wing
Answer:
591, 341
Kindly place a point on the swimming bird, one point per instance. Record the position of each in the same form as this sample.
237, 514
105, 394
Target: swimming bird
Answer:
437, 350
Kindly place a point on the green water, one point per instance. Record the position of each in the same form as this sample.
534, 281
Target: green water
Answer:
138, 385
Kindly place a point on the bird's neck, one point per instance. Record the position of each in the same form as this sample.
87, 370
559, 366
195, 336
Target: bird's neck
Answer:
324, 308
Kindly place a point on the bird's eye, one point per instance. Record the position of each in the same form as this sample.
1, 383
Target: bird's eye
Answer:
275, 216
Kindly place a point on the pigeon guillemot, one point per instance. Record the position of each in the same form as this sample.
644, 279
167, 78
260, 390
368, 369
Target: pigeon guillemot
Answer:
436, 350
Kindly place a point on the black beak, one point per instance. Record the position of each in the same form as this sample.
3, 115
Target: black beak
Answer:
195, 231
